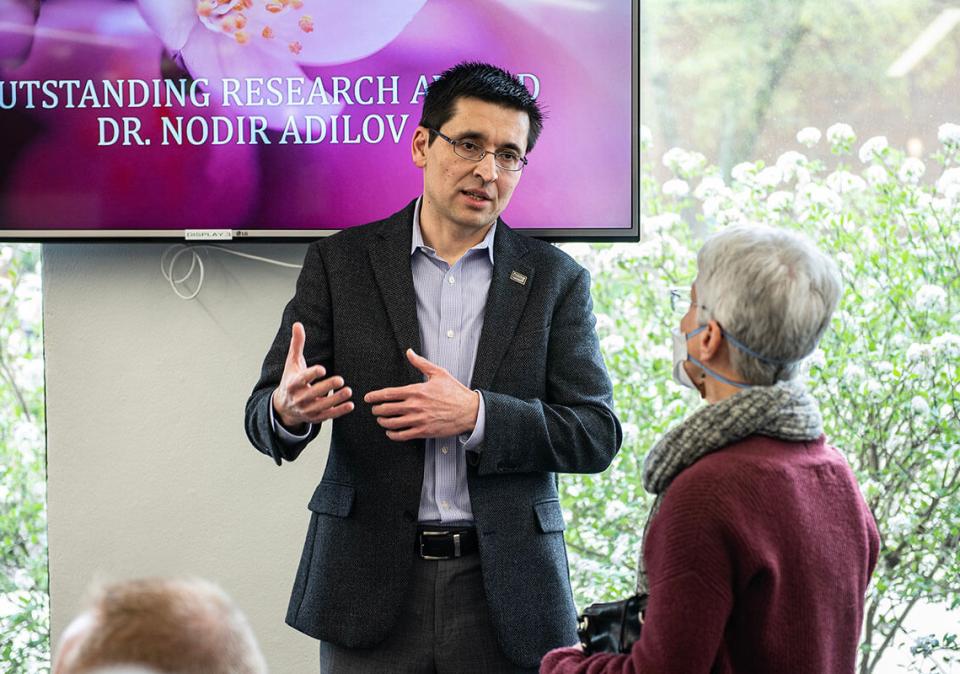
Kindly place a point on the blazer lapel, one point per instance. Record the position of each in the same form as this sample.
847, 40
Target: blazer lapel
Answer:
390, 260
509, 289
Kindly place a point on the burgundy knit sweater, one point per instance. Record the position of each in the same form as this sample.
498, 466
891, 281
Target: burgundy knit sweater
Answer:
758, 561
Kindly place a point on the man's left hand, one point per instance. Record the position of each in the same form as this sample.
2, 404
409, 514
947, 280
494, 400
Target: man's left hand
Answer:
438, 408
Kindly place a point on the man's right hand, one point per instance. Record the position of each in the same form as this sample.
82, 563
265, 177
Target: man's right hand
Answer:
302, 396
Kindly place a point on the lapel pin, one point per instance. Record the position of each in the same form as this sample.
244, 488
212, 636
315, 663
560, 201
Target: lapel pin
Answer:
517, 277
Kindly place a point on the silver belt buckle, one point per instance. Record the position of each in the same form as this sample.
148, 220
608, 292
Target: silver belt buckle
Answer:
456, 544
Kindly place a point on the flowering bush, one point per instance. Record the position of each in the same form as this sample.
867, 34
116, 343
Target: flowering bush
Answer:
886, 374
24, 604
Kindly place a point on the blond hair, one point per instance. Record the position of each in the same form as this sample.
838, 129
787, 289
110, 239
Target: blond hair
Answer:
177, 626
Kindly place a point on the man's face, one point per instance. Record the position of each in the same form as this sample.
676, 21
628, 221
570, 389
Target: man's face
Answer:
464, 194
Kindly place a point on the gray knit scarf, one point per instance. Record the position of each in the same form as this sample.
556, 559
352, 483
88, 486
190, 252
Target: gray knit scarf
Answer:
785, 411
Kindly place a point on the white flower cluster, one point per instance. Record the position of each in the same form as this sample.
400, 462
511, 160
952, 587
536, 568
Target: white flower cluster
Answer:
898, 525
839, 135
792, 164
676, 188
612, 344
683, 162
949, 135
29, 303
843, 182
911, 170
780, 201
769, 177
947, 344
744, 172
948, 184
811, 195
877, 174
873, 148
711, 186
926, 359
920, 406
931, 297
809, 136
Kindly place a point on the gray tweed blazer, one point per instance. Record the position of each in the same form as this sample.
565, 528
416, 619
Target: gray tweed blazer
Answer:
548, 409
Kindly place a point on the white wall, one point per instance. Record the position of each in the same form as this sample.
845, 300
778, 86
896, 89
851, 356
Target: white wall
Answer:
150, 472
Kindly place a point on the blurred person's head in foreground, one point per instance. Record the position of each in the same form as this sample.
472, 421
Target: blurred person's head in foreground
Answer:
168, 626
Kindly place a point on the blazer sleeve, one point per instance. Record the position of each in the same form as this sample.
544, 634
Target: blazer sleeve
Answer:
311, 306
574, 429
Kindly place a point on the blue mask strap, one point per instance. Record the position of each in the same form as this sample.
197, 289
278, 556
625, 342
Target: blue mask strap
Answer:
746, 349
740, 345
706, 369
716, 375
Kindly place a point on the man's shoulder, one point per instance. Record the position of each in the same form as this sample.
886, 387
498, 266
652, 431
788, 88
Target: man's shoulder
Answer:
545, 255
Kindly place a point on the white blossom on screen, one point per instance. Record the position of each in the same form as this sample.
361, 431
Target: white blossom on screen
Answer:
919, 405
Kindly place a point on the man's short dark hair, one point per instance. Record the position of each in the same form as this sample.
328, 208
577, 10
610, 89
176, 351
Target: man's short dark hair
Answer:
484, 82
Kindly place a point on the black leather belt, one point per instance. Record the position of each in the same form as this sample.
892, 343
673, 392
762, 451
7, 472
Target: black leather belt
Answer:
440, 543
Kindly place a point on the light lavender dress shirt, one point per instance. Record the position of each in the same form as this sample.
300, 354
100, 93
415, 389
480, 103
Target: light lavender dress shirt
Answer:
450, 306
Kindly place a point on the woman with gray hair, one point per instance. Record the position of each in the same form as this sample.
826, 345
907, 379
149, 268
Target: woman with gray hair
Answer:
759, 546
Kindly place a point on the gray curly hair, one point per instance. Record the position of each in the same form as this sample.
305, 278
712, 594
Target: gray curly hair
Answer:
771, 289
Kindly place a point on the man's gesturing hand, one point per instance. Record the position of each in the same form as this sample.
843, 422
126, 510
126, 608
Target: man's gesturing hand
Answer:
438, 408
299, 399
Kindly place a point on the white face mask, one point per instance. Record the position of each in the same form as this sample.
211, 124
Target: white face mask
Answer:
680, 356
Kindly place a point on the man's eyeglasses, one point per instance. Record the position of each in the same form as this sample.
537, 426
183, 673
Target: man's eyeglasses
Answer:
467, 149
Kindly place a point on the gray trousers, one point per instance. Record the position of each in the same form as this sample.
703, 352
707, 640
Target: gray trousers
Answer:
444, 628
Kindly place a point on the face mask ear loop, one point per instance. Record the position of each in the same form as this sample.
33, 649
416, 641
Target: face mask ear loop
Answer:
707, 370
747, 350
717, 375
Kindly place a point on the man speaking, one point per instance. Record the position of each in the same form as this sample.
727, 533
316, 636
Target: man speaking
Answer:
459, 364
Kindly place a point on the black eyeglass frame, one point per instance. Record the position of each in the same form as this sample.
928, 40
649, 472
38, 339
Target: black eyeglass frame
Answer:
483, 153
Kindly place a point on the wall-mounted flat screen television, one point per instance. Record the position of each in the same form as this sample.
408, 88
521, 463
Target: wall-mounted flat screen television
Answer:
290, 119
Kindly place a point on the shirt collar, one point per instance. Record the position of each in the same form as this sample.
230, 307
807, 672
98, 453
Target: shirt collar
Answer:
417, 239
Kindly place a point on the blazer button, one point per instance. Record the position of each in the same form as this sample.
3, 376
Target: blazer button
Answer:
408, 516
